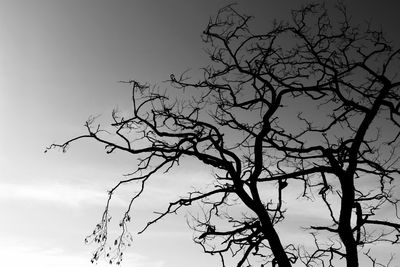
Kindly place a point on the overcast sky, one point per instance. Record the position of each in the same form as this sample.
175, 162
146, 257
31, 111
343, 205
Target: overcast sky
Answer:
60, 62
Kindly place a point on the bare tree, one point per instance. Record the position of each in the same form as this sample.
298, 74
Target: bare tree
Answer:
311, 104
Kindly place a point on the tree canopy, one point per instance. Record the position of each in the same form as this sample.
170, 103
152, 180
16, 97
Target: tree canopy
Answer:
309, 106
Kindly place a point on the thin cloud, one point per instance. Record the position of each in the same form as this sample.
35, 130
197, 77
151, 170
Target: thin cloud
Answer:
38, 257
64, 194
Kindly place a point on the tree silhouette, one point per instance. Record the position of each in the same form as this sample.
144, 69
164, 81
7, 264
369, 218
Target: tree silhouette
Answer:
309, 106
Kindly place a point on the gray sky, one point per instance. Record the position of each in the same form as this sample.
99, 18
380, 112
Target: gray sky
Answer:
59, 63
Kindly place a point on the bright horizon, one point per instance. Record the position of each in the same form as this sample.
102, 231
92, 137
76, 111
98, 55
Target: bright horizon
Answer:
60, 62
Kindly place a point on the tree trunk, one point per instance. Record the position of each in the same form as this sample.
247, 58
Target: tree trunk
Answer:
273, 239
345, 229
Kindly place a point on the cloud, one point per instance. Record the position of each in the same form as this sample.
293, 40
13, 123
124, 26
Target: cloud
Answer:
19, 255
71, 195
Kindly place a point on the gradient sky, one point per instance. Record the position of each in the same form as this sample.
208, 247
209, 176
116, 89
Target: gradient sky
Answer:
59, 63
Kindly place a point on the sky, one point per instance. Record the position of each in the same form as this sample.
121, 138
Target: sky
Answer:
60, 62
